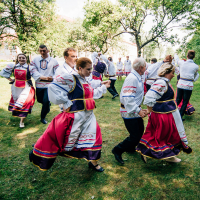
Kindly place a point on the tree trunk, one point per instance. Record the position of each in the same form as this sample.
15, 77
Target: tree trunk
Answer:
137, 39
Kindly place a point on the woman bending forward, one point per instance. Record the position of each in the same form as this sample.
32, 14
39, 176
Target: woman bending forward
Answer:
75, 132
165, 136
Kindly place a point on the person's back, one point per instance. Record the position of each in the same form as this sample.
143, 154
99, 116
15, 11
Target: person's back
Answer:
188, 69
188, 74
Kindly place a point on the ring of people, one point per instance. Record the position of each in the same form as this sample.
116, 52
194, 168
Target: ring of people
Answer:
74, 86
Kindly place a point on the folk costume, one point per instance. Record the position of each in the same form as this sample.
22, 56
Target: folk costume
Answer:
127, 67
119, 69
111, 73
43, 67
165, 134
188, 75
73, 134
189, 109
131, 97
22, 90
99, 67
151, 74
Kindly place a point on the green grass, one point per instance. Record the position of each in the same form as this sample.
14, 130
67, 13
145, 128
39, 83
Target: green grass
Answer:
72, 179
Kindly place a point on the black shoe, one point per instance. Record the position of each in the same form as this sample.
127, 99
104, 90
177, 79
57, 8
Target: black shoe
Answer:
101, 97
183, 120
44, 121
118, 157
116, 95
94, 167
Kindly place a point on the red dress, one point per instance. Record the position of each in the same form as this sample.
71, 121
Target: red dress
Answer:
161, 139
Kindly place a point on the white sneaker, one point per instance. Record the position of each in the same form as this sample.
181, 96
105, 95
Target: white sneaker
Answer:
21, 125
174, 159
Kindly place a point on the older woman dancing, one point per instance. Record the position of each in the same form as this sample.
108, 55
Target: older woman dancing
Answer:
165, 136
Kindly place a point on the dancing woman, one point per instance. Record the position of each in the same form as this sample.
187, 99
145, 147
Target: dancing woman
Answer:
165, 136
75, 132
23, 92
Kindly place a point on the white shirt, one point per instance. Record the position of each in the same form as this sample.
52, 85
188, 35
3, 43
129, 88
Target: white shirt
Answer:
188, 75
151, 72
127, 66
69, 70
7, 71
43, 67
111, 67
63, 84
119, 65
131, 95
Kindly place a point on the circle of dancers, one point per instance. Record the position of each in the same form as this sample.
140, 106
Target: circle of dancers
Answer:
74, 86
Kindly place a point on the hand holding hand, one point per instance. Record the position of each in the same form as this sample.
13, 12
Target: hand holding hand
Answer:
143, 113
106, 83
50, 79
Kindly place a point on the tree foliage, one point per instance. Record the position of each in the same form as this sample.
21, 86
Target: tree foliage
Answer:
133, 16
23, 20
101, 23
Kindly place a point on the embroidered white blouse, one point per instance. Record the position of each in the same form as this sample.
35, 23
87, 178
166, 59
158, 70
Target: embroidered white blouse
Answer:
127, 66
131, 95
151, 72
43, 67
188, 75
63, 83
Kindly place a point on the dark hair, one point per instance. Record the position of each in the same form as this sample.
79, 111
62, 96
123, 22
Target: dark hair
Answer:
65, 53
191, 54
42, 46
17, 61
110, 58
154, 60
82, 62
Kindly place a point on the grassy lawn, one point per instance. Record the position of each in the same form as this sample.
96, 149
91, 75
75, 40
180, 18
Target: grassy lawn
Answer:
72, 179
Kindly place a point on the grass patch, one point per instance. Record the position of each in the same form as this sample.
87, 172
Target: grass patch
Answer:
72, 179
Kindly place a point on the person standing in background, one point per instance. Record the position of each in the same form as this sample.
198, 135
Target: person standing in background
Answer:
119, 69
127, 66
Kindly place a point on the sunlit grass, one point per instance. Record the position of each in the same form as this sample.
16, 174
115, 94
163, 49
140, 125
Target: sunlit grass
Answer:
72, 179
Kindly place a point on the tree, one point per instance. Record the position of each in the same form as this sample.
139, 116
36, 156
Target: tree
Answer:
131, 16
23, 20
192, 44
101, 23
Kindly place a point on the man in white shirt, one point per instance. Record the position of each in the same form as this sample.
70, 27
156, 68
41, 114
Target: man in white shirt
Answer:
188, 75
42, 69
112, 77
127, 66
131, 97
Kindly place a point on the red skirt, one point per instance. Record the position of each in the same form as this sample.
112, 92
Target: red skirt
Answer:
161, 139
27, 107
54, 140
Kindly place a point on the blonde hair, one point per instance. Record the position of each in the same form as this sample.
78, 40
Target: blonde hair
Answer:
166, 68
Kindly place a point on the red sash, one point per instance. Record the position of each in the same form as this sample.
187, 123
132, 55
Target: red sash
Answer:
88, 97
20, 78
